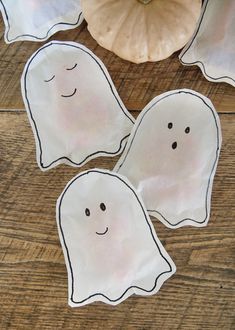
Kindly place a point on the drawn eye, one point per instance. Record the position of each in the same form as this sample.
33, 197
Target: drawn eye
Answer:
73, 67
187, 130
170, 125
50, 79
102, 207
87, 212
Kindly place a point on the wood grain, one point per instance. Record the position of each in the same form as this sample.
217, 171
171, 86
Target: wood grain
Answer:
136, 84
33, 278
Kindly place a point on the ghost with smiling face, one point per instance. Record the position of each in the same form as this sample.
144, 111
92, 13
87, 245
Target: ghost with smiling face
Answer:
110, 246
171, 157
73, 106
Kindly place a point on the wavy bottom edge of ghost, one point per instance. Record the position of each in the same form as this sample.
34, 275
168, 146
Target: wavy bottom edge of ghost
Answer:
203, 43
110, 246
78, 161
43, 32
172, 155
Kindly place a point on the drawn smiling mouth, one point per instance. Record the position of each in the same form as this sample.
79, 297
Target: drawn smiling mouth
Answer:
74, 92
103, 232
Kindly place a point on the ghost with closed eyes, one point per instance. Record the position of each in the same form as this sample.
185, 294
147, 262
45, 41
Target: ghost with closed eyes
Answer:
171, 157
110, 246
73, 107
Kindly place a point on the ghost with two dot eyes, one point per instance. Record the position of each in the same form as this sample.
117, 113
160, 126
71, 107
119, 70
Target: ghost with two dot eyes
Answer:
110, 246
171, 157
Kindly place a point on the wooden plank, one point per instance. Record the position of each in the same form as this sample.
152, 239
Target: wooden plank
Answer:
33, 279
136, 84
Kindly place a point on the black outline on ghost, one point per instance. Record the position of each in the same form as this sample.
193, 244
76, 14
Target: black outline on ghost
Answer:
210, 181
59, 203
8, 27
112, 88
200, 64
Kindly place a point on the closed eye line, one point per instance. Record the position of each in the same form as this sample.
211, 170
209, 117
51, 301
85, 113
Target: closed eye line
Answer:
50, 79
69, 69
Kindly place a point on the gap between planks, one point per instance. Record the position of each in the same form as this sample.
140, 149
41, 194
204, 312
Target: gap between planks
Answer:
23, 111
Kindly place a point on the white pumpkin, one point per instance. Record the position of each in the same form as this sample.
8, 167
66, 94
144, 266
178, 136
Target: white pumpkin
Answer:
141, 30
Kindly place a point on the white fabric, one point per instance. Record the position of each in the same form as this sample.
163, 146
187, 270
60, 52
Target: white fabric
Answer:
212, 47
109, 243
171, 157
73, 106
37, 20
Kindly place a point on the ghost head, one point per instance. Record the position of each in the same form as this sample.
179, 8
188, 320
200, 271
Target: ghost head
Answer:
73, 107
171, 157
109, 243
38, 19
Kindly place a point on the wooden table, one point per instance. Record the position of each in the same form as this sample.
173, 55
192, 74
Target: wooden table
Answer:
33, 278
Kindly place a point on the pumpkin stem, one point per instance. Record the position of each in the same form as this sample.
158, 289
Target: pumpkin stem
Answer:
145, 2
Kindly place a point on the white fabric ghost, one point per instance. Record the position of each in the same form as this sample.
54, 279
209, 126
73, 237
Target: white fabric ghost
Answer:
73, 107
37, 20
212, 47
171, 157
109, 243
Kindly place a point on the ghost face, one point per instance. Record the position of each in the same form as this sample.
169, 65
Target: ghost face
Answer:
73, 105
110, 247
171, 157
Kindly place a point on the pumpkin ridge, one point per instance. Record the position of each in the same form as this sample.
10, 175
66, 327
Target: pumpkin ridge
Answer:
186, 9
99, 6
172, 32
159, 43
121, 26
95, 31
147, 34
138, 17
138, 32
